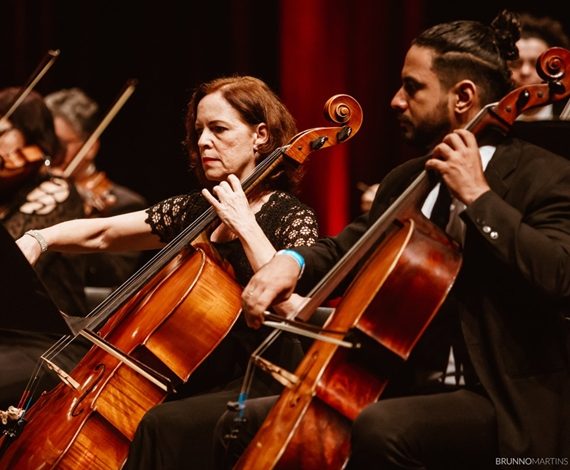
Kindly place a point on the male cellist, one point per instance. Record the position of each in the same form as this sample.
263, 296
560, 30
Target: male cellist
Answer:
503, 319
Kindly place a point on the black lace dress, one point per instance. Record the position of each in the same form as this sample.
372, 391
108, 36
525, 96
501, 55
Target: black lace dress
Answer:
283, 218
178, 434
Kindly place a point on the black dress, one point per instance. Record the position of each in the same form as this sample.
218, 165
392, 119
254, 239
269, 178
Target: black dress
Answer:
178, 433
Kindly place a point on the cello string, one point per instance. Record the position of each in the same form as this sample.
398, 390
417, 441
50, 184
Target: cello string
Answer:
33, 382
104, 308
250, 370
317, 295
108, 304
167, 253
339, 271
565, 114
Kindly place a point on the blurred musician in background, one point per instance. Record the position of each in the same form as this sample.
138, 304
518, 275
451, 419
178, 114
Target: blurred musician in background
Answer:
76, 117
38, 200
537, 35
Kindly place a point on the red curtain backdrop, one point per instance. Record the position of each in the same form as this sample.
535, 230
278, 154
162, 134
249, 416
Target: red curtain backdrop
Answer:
307, 50
334, 46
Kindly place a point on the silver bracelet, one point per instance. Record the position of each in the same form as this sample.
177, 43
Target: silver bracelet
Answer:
39, 238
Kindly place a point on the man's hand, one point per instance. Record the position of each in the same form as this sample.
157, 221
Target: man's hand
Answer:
274, 282
458, 162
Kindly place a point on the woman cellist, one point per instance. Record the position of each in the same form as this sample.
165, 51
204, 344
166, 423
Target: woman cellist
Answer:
30, 201
503, 320
232, 124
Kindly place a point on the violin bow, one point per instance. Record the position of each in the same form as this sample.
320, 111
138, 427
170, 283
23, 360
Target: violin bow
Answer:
36, 76
125, 94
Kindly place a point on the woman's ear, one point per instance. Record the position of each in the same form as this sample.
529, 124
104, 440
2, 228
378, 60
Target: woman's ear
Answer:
261, 135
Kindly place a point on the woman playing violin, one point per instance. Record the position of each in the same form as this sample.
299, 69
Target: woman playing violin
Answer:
232, 124
39, 200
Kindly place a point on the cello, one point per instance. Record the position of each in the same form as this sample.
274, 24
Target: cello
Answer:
142, 352
309, 426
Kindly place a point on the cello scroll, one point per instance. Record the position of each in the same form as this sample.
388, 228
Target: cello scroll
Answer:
339, 109
552, 66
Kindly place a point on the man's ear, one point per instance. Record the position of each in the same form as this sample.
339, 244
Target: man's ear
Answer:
466, 96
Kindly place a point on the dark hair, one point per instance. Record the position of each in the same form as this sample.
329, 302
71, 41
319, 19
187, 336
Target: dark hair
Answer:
34, 120
256, 103
545, 28
76, 108
470, 49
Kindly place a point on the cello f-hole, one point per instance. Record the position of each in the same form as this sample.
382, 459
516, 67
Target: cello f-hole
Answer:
91, 383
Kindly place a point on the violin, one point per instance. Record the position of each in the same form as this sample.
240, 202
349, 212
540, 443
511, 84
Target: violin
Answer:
19, 166
94, 186
180, 297
409, 267
96, 192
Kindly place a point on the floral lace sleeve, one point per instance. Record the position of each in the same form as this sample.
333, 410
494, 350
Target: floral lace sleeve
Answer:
169, 217
287, 222
298, 228
284, 219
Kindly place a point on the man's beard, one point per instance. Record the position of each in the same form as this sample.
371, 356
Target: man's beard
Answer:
430, 131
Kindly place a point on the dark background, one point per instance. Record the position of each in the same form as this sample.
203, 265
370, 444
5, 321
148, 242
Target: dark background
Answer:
306, 50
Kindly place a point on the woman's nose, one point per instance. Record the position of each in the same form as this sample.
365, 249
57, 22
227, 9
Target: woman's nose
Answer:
204, 138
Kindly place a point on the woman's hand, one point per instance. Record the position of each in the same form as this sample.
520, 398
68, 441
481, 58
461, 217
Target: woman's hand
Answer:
30, 247
231, 205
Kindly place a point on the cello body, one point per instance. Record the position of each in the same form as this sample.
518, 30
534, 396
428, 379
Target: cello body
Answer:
386, 308
155, 326
160, 325
400, 288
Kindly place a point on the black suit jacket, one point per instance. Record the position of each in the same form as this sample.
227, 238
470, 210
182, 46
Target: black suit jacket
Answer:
511, 292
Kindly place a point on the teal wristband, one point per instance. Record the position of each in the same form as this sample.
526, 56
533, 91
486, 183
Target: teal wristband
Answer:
296, 256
